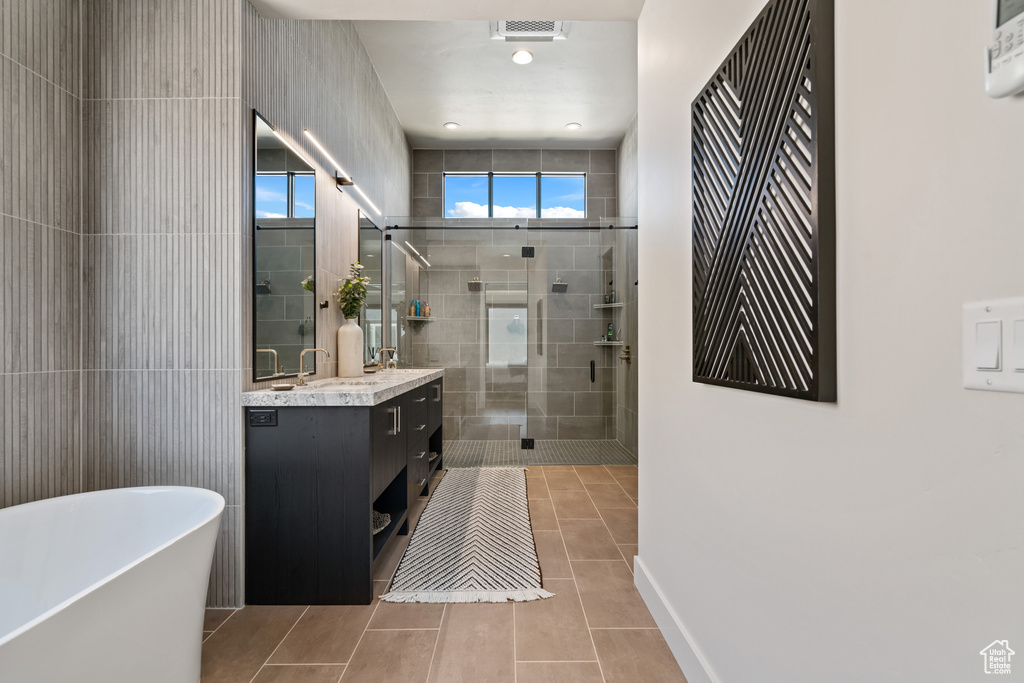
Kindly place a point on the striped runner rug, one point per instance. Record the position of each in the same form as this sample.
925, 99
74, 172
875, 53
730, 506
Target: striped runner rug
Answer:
473, 543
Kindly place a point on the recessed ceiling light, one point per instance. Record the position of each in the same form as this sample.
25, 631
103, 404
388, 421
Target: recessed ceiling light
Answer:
522, 56
451, 125
573, 126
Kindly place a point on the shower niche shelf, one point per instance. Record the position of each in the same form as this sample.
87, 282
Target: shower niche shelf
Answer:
615, 305
420, 319
608, 343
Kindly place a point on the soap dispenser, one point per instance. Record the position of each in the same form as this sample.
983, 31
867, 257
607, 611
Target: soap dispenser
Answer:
611, 332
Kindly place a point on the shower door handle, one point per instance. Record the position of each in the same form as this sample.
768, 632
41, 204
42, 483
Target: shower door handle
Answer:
540, 327
593, 373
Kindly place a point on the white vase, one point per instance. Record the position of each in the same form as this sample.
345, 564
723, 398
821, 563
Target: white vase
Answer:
350, 349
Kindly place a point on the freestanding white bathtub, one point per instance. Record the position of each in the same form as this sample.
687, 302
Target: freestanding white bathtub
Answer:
106, 587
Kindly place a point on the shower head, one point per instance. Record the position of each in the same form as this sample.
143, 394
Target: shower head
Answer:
475, 285
559, 287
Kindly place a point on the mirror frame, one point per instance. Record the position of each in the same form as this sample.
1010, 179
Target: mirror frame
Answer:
257, 118
362, 216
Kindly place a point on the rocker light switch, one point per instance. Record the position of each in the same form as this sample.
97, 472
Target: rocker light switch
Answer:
1017, 352
988, 341
992, 345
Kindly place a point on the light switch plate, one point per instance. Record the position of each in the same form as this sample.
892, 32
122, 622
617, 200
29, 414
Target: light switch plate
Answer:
993, 345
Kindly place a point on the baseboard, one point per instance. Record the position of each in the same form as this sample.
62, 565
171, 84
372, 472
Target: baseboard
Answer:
693, 664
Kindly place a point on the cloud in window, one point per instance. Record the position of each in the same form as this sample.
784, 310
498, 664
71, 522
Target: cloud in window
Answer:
265, 195
269, 214
468, 210
474, 210
561, 212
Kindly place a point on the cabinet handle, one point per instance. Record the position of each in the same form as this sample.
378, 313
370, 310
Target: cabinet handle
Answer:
437, 392
399, 419
394, 420
420, 400
421, 428
422, 483
420, 456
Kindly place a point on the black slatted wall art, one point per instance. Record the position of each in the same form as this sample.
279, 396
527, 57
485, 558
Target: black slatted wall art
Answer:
764, 209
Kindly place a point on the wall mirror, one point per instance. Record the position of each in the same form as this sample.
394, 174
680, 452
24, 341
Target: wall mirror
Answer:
284, 296
371, 255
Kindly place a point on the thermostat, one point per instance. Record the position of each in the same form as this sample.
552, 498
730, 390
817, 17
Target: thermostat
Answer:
1004, 56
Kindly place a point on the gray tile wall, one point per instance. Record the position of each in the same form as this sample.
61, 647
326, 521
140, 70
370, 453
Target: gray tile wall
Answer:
162, 252
626, 399
40, 249
125, 229
552, 398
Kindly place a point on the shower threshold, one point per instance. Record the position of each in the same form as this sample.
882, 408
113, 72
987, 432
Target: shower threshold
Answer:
473, 453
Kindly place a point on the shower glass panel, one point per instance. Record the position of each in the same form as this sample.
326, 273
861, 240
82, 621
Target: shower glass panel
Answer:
571, 389
528, 323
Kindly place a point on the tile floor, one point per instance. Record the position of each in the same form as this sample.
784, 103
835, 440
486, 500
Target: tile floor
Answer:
595, 629
466, 453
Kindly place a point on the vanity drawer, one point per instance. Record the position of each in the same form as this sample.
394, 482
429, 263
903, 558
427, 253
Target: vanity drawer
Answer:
416, 401
435, 404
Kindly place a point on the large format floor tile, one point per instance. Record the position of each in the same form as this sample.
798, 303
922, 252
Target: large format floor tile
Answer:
326, 634
244, 642
300, 673
475, 645
609, 596
554, 629
558, 672
392, 657
633, 655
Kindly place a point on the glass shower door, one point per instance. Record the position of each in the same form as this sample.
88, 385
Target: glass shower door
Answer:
570, 393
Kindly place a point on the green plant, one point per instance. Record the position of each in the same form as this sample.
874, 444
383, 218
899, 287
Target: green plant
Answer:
352, 291
309, 284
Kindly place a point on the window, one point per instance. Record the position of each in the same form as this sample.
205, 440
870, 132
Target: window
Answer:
272, 196
563, 196
285, 195
515, 195
466, 196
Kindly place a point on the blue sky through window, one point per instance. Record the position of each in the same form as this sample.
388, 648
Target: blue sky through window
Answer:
515, 196
563, 196
305, 196
271, 196
465, 196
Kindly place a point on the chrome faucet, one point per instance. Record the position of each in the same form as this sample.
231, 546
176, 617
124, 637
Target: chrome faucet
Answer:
302, 363
391, 364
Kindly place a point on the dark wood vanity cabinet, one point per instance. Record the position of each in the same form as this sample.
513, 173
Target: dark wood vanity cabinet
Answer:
313, 477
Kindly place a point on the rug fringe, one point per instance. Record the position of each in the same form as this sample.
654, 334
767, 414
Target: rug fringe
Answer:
524, 595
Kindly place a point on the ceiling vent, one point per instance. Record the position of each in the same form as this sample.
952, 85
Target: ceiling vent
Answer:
529, 30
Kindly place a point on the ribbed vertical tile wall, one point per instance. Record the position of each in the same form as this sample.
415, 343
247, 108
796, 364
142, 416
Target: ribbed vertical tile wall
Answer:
40, 244
316, 75
626, 392
162, 254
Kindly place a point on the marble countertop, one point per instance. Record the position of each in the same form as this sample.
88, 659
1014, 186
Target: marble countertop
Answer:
368, 390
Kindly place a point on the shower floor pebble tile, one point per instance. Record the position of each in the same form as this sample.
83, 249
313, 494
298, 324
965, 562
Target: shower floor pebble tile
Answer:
595, 630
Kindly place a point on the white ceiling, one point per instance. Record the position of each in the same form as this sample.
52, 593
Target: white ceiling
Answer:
452, 10
441, 71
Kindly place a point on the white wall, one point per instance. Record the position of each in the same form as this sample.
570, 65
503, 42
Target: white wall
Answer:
878, 538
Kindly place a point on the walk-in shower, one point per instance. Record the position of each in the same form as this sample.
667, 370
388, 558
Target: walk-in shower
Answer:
530, 320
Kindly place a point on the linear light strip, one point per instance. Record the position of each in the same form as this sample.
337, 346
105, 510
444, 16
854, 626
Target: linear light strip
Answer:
340, 170
289, 146
324, 152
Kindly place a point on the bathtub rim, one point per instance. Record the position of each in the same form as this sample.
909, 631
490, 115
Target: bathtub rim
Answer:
193, 490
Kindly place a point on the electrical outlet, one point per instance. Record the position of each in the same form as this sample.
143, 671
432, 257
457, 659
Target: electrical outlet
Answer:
262, 418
